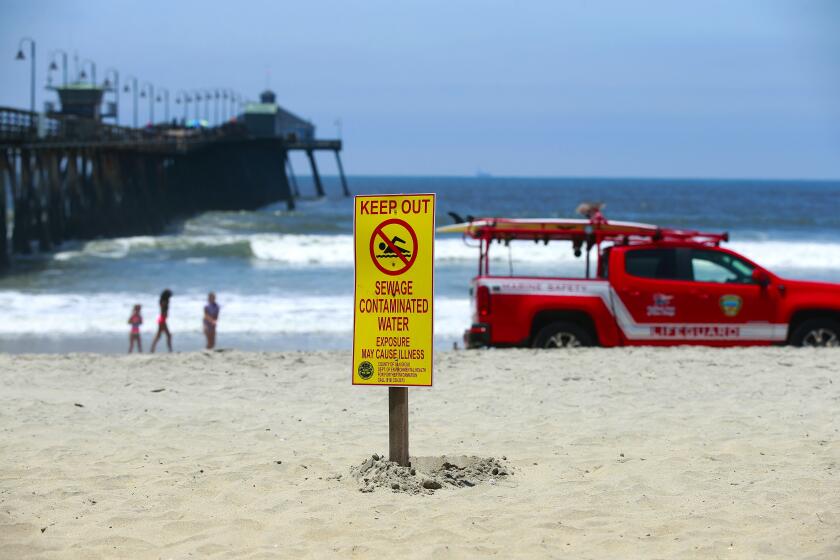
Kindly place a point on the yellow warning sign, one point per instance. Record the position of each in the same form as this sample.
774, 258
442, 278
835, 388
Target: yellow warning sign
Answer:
394, 238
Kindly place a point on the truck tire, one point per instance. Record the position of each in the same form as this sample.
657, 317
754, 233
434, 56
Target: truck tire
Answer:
562, 335
818, 332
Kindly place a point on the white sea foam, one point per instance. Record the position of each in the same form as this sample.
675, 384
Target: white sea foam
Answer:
337, 250
107, 313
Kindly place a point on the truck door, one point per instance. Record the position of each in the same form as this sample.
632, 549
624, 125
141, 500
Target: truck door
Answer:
724, 293
651, 294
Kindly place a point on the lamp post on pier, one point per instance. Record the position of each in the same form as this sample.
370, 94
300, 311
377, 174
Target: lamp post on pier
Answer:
225, 106
21, 56
165, 103
207, 96
216, 97
236, 101
184, 97
151, 92
197, 98
133, 90
83, 75
115, 86
54, 66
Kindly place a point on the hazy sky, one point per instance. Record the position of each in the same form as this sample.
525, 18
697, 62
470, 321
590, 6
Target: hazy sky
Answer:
747, 88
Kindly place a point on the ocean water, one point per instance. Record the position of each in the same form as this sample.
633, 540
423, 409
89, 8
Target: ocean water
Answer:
285, 279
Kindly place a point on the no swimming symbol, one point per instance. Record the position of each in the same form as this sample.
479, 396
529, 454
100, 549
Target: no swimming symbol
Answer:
393, 246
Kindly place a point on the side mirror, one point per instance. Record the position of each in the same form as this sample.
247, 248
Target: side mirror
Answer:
761, 277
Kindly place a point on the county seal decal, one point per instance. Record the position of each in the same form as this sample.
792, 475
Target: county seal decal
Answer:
365, 370
730, 305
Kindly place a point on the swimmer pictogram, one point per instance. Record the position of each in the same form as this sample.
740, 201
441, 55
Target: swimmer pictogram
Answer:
393, 246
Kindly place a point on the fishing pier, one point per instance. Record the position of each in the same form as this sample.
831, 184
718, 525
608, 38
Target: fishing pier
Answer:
68, 175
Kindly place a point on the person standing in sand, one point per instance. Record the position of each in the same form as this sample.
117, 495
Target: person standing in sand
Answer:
211, 318
134, 336
163, 327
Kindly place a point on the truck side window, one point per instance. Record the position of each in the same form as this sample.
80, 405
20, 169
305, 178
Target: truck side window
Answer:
717, 266
652, 263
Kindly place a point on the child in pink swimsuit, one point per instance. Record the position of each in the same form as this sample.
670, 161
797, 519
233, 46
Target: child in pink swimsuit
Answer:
134, 336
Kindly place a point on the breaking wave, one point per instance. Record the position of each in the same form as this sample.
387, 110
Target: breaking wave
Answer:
107, 313
337, 250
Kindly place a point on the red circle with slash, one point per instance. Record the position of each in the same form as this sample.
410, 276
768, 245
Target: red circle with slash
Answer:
390, 247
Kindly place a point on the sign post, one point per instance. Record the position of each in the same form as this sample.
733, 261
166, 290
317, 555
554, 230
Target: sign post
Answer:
393, 304
398, 425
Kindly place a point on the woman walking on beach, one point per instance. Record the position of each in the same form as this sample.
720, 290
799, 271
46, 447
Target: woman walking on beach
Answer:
211, 318
163, 327
134, 336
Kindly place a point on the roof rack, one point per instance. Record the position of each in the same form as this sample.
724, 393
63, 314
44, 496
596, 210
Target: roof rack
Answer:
593, 231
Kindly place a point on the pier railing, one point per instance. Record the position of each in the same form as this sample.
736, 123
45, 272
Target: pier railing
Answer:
19, 127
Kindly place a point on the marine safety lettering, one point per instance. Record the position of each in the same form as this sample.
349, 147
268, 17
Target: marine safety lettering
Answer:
393, 308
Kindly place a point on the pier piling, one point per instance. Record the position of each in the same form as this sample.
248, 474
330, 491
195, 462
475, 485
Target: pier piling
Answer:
4, 242
344, 188
319, 187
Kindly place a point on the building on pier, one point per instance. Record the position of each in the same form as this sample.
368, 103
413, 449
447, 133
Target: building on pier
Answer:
267, 119
81, 99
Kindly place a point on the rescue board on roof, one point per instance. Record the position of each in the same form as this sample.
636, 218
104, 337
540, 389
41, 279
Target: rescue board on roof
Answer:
537, 226
573, 229
394, 238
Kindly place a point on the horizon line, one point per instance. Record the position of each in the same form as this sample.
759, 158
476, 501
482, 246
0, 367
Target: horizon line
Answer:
584, 177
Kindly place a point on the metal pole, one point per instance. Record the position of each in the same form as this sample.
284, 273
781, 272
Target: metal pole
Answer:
197, 98
116, 97
32, 79
133, 80
54, 66
116, 84
216, 106
21, 56
92, 69
185, 97
134, 89
152, 104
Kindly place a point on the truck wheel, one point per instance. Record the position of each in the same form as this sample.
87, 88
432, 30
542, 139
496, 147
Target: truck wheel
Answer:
819, 332
562, 335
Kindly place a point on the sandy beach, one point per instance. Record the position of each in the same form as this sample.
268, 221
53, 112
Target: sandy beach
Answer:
625, 453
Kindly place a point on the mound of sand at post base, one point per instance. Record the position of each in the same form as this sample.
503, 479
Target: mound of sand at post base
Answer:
626, 453
424, 475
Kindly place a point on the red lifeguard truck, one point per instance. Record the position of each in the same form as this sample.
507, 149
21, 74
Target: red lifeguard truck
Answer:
648, 286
